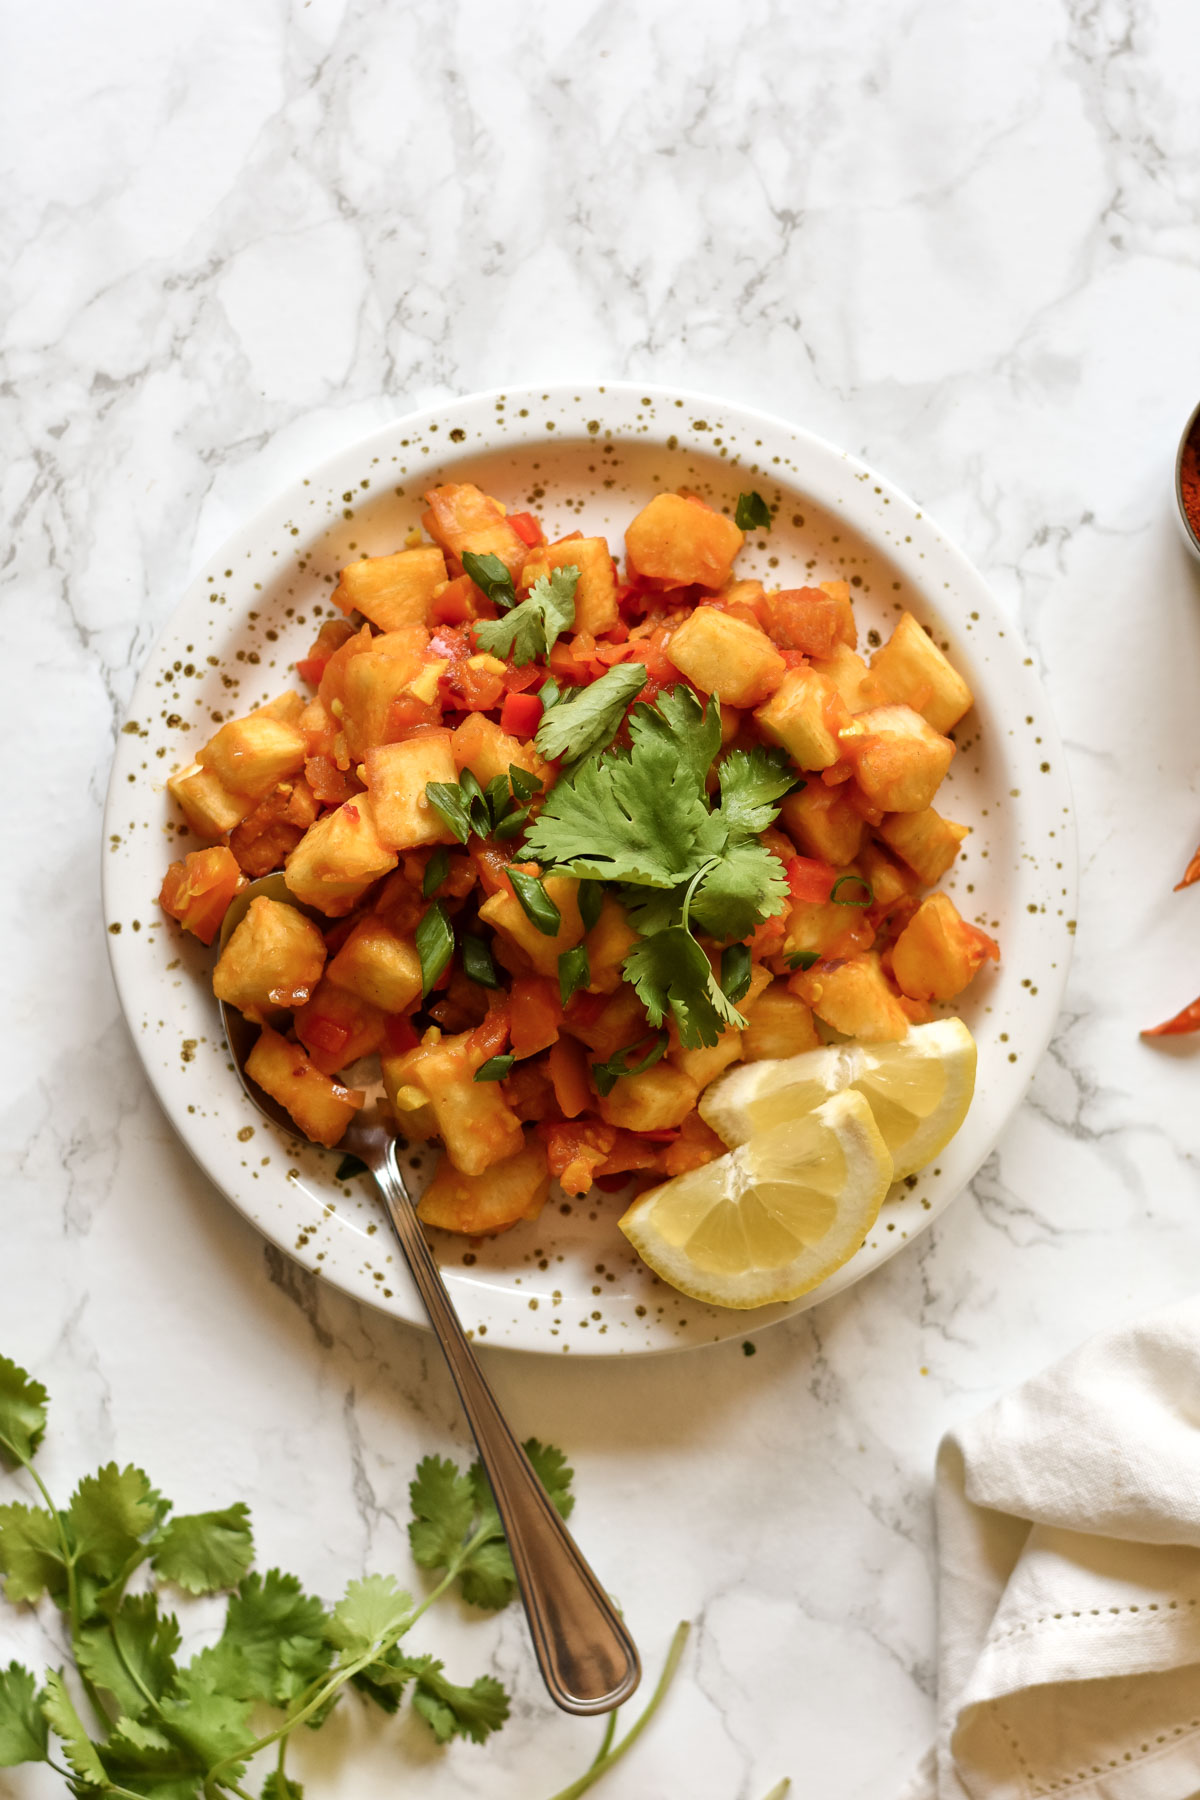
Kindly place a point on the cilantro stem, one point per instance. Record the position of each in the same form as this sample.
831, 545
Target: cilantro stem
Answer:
781, 1789
607, 1758
610, 1732
68, 1562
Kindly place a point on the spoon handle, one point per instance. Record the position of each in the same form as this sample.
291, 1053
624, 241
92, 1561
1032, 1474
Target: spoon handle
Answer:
587, 1658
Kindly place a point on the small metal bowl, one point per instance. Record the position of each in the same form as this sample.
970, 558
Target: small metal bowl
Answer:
1190, 537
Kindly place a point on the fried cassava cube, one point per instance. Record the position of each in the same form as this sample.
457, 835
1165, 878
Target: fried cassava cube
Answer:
805, 715
507, 1192
725, 656
339, 858
781, 1024
392, 591
461, 517
477, 1126
505, 914
379, 965
337, 1027
821, 822
938, 952
273, 959
678, 541
396, 779
924, 840
656, 1100
913, 669
596, 591
252, 755
854, 998
480, 745
207, 805
898, 758
320, 1107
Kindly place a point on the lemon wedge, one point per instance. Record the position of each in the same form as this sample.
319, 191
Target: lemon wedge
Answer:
919, 1090
775, 1216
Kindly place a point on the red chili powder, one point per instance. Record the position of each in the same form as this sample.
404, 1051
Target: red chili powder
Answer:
1189, 478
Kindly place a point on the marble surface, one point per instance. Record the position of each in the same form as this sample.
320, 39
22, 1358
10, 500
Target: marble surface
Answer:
959, 240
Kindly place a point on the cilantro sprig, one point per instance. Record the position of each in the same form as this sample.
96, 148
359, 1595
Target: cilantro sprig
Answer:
589, 718
529, 631
643, 819
155, 1726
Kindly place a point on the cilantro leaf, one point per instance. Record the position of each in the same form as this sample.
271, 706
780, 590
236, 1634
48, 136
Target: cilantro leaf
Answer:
372, 1609
213, 1726
204, 1552
677, 719
30, 1553
143, 1759
451, 1711
637, 818
752, 781
671, 973
491, 576
753, 513
23, 1733
67, 1726
22, 1413
737, 967
131, 1655
745, 887
443, 1505
531, 629
591, 717
281, 1787
109, 1514
273, 1644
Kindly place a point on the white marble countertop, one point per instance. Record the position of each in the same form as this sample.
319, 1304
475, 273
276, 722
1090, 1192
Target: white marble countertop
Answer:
959, 240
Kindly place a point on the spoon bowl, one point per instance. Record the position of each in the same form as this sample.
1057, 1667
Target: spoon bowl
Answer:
587, 1658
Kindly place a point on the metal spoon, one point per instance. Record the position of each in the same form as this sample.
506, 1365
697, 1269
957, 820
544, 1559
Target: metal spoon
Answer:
588, 1660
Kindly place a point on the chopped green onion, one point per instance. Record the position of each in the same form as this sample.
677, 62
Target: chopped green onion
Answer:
477, 806
511, 825
591, 899
477, 962
862, 882
349, 1167
498, 798
524, 785
607, 1074
434, 938
539, 908
802, 959
753, 513
436, 871
492, 576
495, 1068
574, 972
735, 972
447, 802
549, 693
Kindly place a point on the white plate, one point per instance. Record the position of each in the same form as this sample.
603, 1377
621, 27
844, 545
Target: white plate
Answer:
581, 458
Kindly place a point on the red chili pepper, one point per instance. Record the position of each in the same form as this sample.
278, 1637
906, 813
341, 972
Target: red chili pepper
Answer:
521, 714
810, 879
1187, 1020
526, 528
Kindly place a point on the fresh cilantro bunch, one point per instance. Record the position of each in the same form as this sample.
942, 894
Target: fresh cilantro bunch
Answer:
162, 1728
529, 631
643, 819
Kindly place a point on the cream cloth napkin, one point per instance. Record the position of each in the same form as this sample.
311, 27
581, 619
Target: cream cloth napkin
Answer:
1069, 1604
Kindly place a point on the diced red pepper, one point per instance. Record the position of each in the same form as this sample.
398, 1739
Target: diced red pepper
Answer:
311, 669
198, 889
521, 714
401, 1035
526, 528
326, 1034
810, 879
